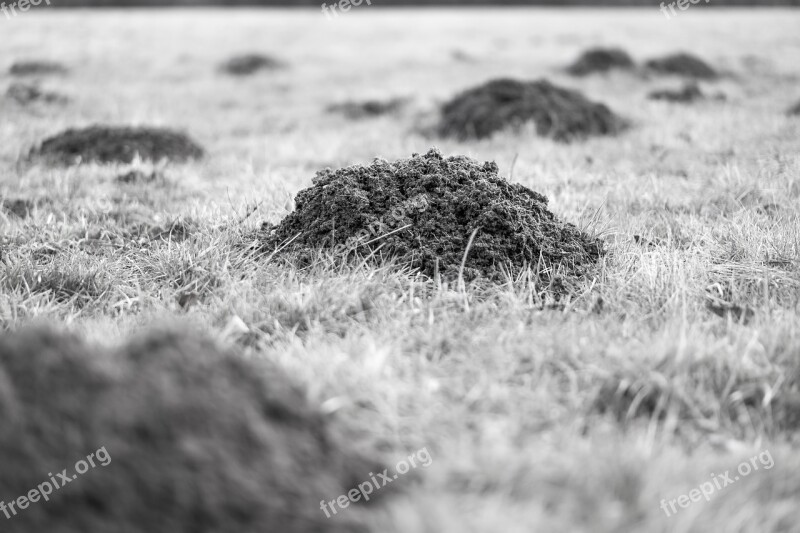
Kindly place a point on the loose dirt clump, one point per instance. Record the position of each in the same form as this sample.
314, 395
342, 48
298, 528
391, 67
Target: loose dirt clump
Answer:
105, 144
184, 437
246, 65
682, 64
26, 94
562, 114
601, 60
37, 68
423, 210
368, 109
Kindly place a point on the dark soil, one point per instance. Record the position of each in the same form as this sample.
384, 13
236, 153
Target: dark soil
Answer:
423, 210
689, 93
198, 440
794, 110
562, 114
104, 144
682, 64
601, 60
246, 65
18, 207
368, 109
37, 68
26, 94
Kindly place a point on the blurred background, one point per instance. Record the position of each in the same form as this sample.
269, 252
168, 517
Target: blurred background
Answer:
455, 3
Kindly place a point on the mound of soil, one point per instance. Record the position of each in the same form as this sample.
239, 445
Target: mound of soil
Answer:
682, 64
192, 439
794, 110
562, 114
37, 68
105, 144
368, 109
601, 60
248, 64
26, 94
423, 211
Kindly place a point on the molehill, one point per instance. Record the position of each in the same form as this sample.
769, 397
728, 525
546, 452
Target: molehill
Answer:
423, 211
199, 440
37, 68
106, 144
248, 64
562, 114
601, 60
368, 108
682, 64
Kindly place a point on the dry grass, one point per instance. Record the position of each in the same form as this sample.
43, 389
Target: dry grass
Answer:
677, 360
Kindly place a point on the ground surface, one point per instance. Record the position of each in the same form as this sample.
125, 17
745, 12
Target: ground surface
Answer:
678, 360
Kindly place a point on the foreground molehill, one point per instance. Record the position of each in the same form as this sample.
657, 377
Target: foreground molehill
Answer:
423, 211
107, 144
682, 64
598, 60
562, 114
198, 440
249, 64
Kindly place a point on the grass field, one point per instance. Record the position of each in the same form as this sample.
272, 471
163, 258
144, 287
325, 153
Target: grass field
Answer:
677, 361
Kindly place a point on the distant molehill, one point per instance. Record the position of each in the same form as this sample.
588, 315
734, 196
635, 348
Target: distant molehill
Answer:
562, 114
248, 64
37, 68
682, 64
599, 60
107, 144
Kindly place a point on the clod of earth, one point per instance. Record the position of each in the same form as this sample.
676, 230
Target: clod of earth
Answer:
248, 64
25, 94
37, 68
105, 144
423, 210
194, 439
682, 64
601, 60
562, 114
369, 108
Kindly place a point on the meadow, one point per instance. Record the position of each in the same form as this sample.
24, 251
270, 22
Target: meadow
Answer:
678, 359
